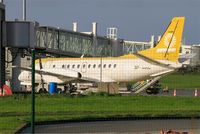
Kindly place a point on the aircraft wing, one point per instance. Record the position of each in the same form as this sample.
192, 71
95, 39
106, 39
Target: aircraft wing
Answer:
63, 74
67, 75
98, 79
149, 60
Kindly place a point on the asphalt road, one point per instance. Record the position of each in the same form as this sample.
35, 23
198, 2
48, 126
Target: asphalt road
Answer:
130, 126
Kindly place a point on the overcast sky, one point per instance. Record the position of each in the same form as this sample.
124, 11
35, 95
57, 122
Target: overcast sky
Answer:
135, 19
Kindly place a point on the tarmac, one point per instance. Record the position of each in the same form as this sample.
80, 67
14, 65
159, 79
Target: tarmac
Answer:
129, 126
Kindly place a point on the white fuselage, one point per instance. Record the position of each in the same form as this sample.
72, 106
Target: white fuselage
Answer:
112, 70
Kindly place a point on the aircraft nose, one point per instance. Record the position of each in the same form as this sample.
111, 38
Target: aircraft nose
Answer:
22, 75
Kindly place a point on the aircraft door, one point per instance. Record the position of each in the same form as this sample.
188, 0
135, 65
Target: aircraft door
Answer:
84, 67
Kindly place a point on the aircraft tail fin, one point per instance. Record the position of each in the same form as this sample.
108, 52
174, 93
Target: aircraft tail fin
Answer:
169, 45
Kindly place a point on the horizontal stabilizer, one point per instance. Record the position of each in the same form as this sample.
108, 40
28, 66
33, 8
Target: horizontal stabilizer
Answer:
162, 73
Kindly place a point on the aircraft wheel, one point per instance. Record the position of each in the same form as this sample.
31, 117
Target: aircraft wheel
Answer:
42, 90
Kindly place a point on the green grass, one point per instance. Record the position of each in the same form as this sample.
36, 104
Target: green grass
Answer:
15, 110
179, 81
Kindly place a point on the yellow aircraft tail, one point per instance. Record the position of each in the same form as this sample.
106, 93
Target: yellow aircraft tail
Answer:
169, 45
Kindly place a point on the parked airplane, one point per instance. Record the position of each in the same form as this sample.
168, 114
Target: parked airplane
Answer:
142, 65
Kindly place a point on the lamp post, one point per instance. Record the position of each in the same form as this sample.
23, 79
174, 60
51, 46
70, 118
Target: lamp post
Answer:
101, 69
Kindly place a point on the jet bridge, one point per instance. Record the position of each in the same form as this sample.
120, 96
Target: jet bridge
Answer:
24, 34
70, 43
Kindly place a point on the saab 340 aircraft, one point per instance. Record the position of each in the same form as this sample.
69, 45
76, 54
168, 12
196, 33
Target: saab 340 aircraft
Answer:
142, 65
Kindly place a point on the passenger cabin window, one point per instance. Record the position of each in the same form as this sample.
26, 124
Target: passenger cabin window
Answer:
115, 65
78, 66
99, 66
63, 66
54, 66
84, 66
109, 65
94, 66
73, 66
89, 66
68, 66
104, 66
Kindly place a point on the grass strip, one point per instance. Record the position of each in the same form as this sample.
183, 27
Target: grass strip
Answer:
15, 110
181, 81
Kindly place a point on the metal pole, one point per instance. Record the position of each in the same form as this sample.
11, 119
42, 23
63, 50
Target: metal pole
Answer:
2, 49
33, 93
24, 10
101, 72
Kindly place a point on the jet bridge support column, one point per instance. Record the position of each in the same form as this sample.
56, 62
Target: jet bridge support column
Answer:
16, 56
